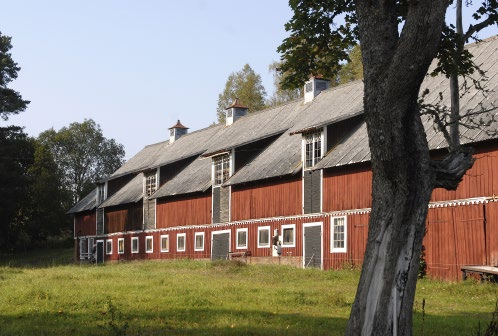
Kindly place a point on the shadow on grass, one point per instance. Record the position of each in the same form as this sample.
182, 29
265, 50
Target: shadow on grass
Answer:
39, 258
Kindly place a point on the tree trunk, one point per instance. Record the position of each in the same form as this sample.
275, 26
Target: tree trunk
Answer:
403, 178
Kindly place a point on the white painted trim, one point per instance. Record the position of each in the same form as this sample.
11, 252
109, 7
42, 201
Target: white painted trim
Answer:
321, 240
338, 249
237, 246
108, 251
184, 236
195, 241
161, 243
151, 239
121, 240
138, 244
261, 228
288, 226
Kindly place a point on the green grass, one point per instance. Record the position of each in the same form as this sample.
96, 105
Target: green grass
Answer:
42, 296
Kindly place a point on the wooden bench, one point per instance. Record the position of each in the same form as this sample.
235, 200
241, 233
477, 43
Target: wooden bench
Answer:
239, 254
485, 272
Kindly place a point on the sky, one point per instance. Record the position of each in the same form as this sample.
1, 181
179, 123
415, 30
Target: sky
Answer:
136, 67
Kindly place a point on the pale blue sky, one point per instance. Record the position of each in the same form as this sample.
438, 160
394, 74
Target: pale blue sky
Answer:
135, 67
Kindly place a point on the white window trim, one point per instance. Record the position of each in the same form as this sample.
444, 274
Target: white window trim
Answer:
323, 137
121, 240
289, 226
230, 167
261, 228
138, 245
332, 229
195, 241
151, 238
184, 235
108, 251
246, 230
161, 242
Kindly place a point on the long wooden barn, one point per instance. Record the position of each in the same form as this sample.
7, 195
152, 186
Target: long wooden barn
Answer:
290, 185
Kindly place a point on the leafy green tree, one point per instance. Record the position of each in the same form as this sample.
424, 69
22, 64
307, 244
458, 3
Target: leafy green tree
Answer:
83, 155
245, 85
281, 95
11, 101
399, 40
353, 69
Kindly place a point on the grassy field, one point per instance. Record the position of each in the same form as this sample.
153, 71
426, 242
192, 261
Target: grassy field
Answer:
47, 296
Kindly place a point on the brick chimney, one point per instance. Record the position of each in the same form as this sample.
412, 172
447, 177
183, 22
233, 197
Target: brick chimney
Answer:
313, 87
234, 112
176, 131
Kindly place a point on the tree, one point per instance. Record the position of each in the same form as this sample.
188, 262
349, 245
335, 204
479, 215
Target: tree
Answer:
245, 85
11, 101
83, 155
352, 70
399, 40
281, 95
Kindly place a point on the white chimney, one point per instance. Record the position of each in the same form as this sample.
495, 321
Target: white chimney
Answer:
176, 131
313, 87
234, 112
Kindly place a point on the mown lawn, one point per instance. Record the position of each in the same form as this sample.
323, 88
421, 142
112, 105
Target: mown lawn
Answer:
47, 296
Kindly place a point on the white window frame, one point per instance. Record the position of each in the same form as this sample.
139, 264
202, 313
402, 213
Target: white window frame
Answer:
286, 227
263, 228
184, 236
198, 234
333, 226
150, 183
313, 138
84, 251
121, 241
108, 246
242, 247
151, 239
161, 241
135, 239
223, 164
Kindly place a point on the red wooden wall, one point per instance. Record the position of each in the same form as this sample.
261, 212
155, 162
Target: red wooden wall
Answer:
268, 199
184, 210
124, 218
85, 224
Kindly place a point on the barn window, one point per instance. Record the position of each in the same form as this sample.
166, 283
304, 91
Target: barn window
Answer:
83, 248
180, 242
149, 244
199, 241
164, 243
150, 184
134, 244
264, 236
221, 168
108, 246
339, 234
312, 149
120, 245
242, 238
289, 235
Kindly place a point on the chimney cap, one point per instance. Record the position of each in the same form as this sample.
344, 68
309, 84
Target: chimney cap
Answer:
178, 125
236, 104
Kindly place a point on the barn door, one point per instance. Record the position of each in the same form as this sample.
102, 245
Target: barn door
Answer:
312, 245
220, 245
100, 252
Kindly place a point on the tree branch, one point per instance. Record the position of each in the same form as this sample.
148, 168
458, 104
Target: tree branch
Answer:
449, 171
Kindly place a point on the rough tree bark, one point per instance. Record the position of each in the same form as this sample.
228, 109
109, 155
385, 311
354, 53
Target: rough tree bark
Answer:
403, 176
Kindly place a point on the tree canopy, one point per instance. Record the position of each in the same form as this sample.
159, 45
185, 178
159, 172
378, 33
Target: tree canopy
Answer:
245, 85
399, 40
83, 155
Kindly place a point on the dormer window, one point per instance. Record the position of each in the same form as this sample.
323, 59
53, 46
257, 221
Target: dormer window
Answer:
221, 168
313, 149
150, 184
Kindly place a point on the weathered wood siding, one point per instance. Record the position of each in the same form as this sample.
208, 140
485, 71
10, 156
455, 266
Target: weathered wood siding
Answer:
123, 218
184, 210
492, 233
346, 189
268, 199
85, 224
481, 180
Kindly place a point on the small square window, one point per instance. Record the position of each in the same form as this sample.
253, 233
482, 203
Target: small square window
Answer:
180, 242
120, 245
338, 234
199, 241
242, 238
264, 236
165, 243
288, 235
108, 246
149, 244
134, 244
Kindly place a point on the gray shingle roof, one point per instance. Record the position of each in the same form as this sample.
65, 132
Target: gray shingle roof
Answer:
196, 177
142, 160
87, 203
132, 192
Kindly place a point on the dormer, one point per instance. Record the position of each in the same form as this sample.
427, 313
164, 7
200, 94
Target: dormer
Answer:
234, 112
313, 149
176, 131
313, 87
